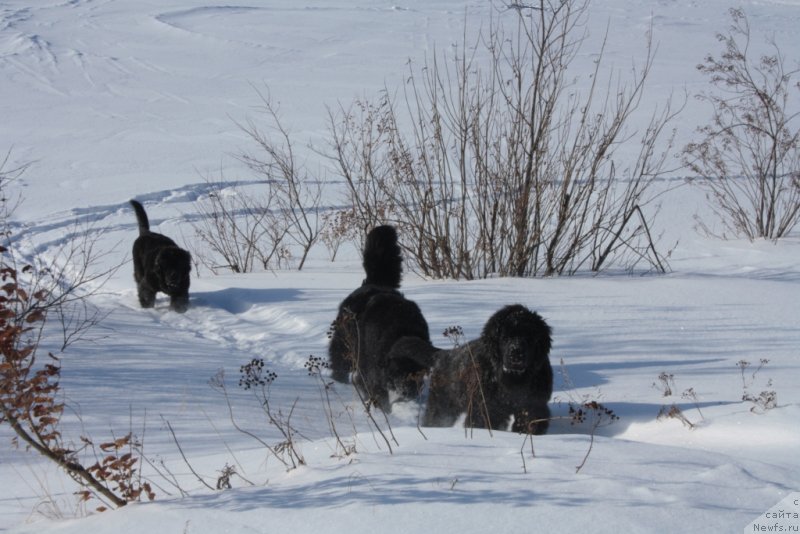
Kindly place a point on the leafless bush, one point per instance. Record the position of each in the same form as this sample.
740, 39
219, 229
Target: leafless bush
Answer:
666, 381
492, 163
748, 381
583, 409
357, 134
766, 399
691, 395
31, 294
338, 227
254, 226
315, 365
254, 377
597, 415
238, 229
296, 195
258, 379
666, 385
8, 200
674, 411
225, 475
748, 158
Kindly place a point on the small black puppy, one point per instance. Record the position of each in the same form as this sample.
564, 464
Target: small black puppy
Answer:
159, 265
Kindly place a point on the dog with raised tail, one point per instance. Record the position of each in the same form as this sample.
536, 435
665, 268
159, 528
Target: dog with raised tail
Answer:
379, 337
159, 264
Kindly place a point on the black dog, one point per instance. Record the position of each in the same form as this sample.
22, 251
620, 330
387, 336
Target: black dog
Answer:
159, 265
379, 335
504, 373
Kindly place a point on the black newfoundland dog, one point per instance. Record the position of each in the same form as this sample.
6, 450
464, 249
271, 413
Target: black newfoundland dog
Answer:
503, 374
378, 335
159, 265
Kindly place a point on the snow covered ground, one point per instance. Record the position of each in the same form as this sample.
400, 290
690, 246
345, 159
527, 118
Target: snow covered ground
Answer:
114, 99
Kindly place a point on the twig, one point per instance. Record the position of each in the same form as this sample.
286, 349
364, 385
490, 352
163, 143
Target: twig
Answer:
186, 461
218, 382
588, 451
225, 443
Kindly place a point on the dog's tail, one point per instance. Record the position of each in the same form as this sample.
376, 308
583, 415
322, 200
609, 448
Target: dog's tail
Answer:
383, 259
141, 217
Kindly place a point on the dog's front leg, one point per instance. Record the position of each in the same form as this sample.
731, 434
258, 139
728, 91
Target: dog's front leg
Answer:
147, 295
179, 303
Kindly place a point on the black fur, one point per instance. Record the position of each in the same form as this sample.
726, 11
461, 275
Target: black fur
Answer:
379, 335
504, 373
159, 265
383, 259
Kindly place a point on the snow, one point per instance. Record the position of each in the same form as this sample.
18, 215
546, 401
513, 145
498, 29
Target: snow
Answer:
114, 99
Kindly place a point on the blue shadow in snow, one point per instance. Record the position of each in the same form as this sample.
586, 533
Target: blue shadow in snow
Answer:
628, 413
238, 300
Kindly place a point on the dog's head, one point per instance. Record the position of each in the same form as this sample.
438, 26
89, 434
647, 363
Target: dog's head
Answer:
519, 340
174, 267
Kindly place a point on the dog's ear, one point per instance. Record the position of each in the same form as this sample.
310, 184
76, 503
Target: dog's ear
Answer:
164, 263
540, 333
158, 262
187, 258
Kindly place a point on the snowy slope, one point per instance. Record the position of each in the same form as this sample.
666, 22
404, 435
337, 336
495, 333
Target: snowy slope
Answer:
114, 99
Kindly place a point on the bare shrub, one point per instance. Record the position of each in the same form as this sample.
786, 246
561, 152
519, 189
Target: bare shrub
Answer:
674, 412
338, 227
9, 201
239, 229
691, 395
743, 365
296, 195
766, 399
256, 378
224, 478
583, 409
256, 223
30, 295
597, 415
748, 158
666, 382
356, 137
490, 162
315, 365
